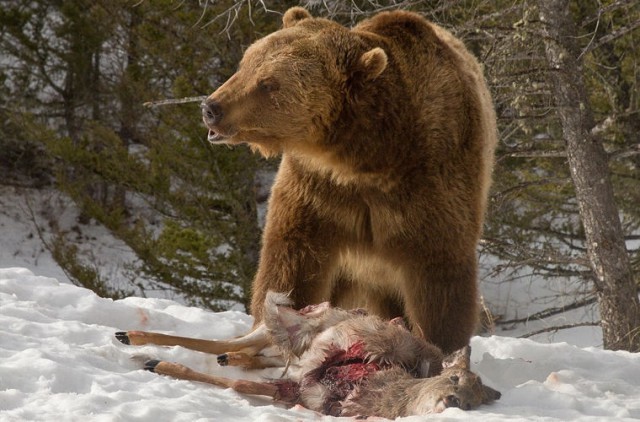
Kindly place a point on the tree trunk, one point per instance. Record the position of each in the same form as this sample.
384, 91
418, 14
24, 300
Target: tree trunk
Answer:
588, 161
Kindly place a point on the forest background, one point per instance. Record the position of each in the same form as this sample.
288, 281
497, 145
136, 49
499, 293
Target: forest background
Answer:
565, 205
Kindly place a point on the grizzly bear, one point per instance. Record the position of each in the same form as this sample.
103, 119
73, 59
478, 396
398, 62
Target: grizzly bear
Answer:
387, 134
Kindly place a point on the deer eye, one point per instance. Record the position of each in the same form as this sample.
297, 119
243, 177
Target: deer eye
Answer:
454, 379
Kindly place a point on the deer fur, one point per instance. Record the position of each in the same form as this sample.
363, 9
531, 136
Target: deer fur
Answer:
339, 362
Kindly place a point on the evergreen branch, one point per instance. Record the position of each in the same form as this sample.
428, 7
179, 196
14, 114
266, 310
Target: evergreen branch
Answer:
564, 237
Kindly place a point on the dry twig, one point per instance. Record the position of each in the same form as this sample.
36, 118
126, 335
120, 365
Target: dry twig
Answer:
185, 100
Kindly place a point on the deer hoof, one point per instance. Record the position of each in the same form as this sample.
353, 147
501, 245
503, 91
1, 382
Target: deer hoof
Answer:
223, 360
122, 337
150, 365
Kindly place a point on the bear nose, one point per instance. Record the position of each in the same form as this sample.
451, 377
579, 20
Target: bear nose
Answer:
211, 112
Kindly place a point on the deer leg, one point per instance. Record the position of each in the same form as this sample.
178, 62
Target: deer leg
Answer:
247, 361
284, 391
250, 344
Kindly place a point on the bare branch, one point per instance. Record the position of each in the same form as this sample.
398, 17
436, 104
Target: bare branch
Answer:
606, 9
543, 261
557, 328
524, 185
550, 312
613, 35
537, 154
626, 152
614, 155
480, 20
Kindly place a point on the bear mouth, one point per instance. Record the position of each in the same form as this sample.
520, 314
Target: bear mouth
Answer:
215, 137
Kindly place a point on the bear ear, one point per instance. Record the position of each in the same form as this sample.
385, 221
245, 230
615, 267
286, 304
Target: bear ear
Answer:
372, 63
294, 15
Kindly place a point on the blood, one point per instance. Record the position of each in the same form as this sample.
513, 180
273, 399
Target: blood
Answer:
340, 373
288, 391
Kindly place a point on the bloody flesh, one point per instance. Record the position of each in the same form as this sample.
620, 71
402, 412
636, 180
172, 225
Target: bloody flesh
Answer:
340, 373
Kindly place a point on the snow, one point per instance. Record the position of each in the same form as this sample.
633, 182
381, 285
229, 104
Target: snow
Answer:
59, 361
31, 217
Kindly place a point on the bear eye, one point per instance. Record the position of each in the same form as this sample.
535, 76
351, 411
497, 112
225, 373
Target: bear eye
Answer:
268, 84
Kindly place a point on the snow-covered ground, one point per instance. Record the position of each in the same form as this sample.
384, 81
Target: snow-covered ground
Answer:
29, 216
59, 361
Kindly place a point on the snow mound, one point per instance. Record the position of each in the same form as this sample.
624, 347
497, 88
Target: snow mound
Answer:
59, 361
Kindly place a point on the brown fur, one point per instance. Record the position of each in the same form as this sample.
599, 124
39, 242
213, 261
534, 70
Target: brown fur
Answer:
387, 134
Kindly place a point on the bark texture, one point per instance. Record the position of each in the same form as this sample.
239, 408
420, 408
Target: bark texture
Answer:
588, 161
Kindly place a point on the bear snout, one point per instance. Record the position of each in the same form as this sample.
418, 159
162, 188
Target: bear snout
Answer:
211, 113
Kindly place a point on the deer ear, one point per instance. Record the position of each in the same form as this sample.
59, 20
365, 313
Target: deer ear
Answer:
460, 359
371, 64
293, 16
489, 394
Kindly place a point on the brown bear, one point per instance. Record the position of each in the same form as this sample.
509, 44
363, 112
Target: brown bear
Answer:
387, 134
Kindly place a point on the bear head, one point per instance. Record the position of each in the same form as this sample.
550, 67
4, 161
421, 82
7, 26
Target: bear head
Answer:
292, 85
